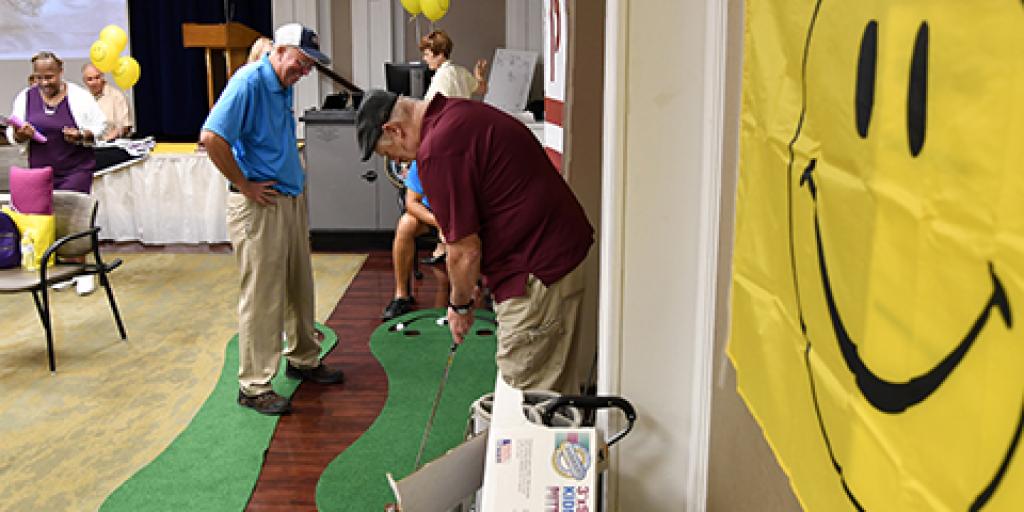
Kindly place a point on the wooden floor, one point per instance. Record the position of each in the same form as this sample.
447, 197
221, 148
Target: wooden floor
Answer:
327, 419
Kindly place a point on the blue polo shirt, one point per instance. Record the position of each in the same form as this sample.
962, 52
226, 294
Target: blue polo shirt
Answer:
254, 115
412, 182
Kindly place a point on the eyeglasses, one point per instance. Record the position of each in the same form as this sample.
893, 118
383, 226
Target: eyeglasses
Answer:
304, 61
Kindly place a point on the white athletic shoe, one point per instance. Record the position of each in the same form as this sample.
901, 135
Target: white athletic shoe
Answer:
85, 285
63, 285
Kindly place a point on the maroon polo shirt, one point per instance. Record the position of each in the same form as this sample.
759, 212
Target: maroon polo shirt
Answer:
484, 172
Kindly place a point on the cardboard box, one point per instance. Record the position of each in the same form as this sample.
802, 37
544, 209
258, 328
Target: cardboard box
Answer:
522, 467
444, 482
533, 468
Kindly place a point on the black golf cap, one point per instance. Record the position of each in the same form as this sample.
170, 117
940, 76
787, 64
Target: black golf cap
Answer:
373, 113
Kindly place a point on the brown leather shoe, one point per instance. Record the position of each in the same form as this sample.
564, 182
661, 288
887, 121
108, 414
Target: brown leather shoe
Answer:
269, 403
321, 374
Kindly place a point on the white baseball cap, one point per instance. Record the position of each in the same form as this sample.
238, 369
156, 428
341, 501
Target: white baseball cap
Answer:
303, 38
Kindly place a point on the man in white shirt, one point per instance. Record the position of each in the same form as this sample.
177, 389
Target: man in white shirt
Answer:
111, 101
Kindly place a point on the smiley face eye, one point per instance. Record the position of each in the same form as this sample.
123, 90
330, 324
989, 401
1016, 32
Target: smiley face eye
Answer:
864, 102
917, 93
917, 97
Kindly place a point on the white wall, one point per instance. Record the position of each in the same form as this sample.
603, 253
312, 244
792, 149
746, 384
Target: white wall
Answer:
14, 75
662, 141
372, 41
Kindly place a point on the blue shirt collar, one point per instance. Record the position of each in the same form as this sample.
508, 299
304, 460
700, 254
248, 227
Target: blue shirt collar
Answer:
269, 77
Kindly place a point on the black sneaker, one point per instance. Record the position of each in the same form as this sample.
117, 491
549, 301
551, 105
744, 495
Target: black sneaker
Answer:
321, 374
434, 260
397, 307
269, 403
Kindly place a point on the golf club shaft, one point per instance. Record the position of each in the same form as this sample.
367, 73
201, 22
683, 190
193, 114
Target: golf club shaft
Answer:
437, 400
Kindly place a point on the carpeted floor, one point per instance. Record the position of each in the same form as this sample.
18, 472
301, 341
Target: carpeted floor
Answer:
69, 439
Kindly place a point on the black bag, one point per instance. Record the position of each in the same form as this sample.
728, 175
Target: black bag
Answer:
10, 242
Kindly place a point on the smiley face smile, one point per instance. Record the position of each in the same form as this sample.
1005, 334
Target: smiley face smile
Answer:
885, 395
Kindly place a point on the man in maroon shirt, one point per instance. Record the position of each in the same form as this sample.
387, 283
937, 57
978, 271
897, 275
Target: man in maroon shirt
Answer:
506, 213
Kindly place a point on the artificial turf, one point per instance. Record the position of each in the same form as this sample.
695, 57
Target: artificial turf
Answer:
214, 463
414, 359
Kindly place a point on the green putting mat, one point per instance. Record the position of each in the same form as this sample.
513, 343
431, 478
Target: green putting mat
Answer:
414, 359
214, 463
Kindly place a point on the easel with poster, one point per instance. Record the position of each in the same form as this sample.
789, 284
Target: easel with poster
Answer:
511, 76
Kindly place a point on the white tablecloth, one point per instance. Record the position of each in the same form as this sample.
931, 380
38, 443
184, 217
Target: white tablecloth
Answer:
166, 198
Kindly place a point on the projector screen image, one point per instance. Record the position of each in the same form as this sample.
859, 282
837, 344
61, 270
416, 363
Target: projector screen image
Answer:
65, 27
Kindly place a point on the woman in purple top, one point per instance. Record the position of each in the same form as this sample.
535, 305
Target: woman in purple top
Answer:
67, 115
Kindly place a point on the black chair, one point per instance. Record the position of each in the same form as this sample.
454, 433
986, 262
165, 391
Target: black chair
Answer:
77, 236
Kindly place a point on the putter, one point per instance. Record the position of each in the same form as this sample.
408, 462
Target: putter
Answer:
437, 400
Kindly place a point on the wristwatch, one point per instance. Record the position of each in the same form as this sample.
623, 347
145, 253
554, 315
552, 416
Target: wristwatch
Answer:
461, 309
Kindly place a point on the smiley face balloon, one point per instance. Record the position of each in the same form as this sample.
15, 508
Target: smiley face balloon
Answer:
879, 264
103, 56
127, 72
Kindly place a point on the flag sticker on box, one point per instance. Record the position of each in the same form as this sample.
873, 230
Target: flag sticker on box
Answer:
504, 450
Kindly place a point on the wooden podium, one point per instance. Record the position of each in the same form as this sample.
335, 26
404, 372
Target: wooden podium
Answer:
227, 48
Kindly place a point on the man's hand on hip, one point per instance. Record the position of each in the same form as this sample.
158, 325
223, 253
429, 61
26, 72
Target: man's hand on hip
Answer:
262, 192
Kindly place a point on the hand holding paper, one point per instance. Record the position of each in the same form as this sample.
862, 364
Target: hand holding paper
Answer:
20, 125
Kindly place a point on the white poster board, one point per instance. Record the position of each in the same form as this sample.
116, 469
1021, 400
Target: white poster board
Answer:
511, 76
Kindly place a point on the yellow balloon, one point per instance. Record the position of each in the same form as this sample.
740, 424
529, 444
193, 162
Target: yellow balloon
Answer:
115, 36
413, 6
127, 72
102, 56
434, 9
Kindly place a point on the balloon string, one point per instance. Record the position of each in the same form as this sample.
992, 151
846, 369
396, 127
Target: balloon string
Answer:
418, 35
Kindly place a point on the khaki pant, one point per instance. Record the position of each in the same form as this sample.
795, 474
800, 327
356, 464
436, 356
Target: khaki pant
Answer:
538, 335
272, 248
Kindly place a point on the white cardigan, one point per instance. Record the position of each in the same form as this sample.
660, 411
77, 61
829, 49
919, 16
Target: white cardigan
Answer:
83, 106
452, 81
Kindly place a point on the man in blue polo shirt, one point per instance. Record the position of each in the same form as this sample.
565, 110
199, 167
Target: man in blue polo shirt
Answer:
416, 220
250, 137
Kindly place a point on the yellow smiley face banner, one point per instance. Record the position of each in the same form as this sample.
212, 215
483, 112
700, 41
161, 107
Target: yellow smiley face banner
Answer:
878, 280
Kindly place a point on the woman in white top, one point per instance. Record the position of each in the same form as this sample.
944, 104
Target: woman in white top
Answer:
67, 115
451, 80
